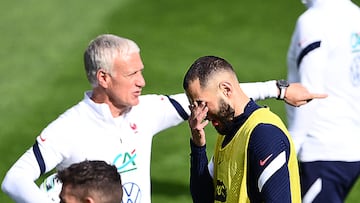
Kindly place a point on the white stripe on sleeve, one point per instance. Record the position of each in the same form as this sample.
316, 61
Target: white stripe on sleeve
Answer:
211, 167
275, 165
313, 191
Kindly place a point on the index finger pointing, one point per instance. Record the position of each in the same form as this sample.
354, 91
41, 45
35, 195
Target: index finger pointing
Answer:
318, 96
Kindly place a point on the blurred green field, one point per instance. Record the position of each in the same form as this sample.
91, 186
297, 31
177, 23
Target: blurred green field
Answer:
42, 70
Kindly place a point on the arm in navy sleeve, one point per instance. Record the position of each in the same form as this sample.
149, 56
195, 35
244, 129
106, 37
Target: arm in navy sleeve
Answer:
268, 174
201, 183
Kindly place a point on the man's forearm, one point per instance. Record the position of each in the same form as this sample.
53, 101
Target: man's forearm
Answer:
201, 183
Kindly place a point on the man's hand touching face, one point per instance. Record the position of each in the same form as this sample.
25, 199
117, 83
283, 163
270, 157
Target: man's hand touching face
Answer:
197, 122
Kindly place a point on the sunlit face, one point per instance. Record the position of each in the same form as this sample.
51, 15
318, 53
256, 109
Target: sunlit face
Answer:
126, 81
222, 119
220, 113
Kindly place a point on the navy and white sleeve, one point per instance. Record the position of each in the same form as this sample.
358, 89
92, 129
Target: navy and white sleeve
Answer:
181, 104
19, 180
201, 182
268, 174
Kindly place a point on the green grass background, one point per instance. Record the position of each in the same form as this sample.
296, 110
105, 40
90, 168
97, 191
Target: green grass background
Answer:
42, 74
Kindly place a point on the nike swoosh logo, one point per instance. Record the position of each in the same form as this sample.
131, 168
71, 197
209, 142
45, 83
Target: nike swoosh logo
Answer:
263, 162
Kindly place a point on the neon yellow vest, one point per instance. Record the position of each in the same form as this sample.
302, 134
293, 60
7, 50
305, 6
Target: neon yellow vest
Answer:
230, 162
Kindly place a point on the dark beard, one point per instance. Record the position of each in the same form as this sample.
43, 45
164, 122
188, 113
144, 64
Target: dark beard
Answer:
225, 116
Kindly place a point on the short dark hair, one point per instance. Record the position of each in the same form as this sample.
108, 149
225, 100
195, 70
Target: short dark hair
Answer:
93, 177
203, 68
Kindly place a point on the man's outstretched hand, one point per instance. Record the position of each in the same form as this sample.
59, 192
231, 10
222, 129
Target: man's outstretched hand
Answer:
297, 95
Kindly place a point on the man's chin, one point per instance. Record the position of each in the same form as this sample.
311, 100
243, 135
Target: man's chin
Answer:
223, 128
220, 130
135, 102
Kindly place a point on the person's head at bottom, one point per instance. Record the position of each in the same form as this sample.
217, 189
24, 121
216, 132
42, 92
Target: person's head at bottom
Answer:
90, 182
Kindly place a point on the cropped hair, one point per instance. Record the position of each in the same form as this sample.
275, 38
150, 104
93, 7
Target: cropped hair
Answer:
203, 68
102, 52
95, 179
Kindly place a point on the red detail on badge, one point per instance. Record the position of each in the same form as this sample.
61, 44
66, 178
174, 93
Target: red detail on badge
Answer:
42, 139
133, 126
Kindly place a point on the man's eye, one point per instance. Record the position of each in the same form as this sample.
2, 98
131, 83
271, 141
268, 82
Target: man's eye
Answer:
199, 102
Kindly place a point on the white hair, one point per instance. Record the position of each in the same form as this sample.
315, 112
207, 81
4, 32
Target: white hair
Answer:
102, 52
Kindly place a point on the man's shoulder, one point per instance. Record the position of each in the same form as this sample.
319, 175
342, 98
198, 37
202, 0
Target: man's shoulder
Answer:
152, 100
309, 17
73, 114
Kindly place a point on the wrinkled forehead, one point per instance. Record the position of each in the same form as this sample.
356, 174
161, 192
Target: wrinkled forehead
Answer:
193, 89
131, 62
199, 93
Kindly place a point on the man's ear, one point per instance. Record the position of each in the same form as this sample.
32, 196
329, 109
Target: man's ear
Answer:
226, 88
89, 199
103, 78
